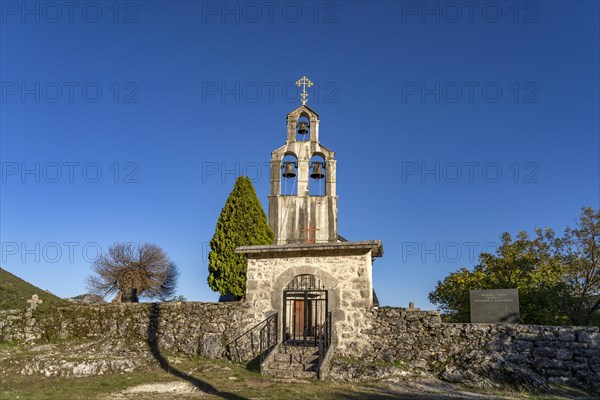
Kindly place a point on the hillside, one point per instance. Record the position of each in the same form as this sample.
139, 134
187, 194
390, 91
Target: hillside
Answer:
14, 293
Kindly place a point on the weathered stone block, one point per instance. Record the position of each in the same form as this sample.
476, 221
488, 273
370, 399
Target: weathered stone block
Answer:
419, 364
552, 344
498, 346
559, 372
212, 346
591, 353
544, 362
527, 336
519, 358
424, 354
387, 355
548, 335
566, 335
577, 345
377, 344
564, 354
589, 337
544, 352
583, 373
521, 345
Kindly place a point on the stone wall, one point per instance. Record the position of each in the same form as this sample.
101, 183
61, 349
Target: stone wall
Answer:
486, 354
206, 329
344, 270
477, 354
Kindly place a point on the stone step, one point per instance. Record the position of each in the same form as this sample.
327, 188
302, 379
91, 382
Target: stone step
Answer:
284, 366
297, 354
282, 357
284, 373
299, 349
295, 359
310, 359
300, 362
291, 366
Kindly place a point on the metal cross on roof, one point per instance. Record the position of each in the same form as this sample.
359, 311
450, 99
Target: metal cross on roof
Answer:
304, 82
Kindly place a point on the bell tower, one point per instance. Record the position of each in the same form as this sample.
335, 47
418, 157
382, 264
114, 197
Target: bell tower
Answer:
303, 204
310, 284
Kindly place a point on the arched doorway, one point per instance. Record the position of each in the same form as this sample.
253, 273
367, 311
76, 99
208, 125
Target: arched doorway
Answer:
304, 310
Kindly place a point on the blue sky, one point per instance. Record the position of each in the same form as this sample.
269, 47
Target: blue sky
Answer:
451, 124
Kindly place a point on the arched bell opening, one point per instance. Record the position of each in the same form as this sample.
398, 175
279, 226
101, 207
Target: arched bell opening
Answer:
289, 175
303, 129
317, 176
305, 310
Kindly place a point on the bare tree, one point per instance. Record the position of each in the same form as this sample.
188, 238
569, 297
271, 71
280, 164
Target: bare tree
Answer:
131, 271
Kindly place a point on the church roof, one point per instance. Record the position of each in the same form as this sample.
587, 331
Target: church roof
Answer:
342, 239
375, 299
226, 298
270, 250
306, 107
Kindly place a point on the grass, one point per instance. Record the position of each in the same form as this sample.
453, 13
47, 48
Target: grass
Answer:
218, 376
217, 379
14, 293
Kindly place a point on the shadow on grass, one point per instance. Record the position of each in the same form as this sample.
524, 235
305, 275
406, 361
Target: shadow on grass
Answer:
164, 364
455, 393
382, 394
253, 365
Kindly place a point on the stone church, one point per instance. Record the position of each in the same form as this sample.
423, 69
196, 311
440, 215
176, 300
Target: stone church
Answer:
311, 277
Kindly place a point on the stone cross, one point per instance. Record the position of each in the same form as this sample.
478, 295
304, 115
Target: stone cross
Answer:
34, 301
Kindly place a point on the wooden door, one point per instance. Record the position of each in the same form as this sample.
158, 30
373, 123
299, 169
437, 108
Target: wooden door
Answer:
303, 319
299, 318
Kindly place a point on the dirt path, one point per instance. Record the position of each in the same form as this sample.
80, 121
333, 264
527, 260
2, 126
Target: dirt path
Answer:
426, 389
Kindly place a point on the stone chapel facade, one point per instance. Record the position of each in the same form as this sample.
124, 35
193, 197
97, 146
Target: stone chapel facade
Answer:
310, 274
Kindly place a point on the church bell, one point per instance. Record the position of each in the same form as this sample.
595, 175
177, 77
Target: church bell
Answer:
302, 128
289, 172
317, 172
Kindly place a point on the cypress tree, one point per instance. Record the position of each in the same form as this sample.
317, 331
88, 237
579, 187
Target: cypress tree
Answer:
242, 223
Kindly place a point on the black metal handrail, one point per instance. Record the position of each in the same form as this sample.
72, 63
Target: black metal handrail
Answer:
251, 341
268, 336
324, 340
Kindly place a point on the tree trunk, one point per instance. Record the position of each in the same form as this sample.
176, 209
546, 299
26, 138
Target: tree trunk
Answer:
117, 298
130, 296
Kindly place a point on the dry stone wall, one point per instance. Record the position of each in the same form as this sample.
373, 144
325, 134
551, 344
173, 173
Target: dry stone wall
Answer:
478, 354
483, 354
206, 329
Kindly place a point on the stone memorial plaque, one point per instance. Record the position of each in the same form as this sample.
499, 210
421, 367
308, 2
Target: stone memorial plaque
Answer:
495, 306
